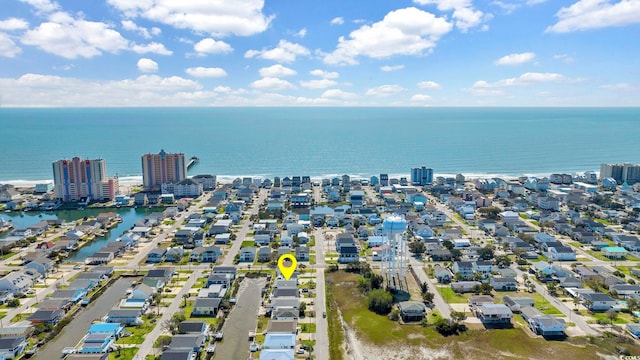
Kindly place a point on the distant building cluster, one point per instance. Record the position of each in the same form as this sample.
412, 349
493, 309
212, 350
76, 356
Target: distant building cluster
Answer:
78, 179
621, 173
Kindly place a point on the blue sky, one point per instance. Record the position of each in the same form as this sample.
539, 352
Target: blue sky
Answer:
320, 53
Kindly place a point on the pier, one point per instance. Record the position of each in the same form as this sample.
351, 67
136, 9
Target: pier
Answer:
194, 160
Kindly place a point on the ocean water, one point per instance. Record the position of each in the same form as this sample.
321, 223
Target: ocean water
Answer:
322, 141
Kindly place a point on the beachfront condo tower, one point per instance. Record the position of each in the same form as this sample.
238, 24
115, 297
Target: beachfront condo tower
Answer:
162, 168
421, 176
78, 179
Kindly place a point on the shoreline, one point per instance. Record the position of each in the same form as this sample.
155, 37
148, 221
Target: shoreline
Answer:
136, 180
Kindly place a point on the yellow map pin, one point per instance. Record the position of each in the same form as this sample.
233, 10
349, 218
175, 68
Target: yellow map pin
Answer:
287, 264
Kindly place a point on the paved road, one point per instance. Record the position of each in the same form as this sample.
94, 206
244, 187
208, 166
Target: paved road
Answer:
242, 234
572, 316
321, 349
146, 347
438, 301
242, 319
77, 328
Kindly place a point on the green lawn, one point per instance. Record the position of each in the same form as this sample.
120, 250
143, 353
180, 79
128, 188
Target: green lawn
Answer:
378, 330
138, 333
543, 305
308, 328
247, 243
124, 354
622, 318
451, 296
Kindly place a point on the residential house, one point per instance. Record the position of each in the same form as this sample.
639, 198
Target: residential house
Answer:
16, 282
625, 289
464, 268
156, 255
127, 317
483, 267
42, 265
348, 254
11, 347
598, 301
412, 310
264, 254
442, 274
282, 327
206, 307
504, 283
222, 239
464, 286
174, 254
517, 303
50, 317
614, 252
302, 253
494, 313
279, 341
193, 327
542, 324
247, 254
211, 254
562, 253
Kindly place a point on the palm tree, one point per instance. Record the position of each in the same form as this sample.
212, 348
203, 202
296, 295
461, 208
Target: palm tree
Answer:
185, 297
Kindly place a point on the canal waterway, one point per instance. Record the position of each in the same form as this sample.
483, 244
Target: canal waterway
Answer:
77, 328
241, 321
129, 217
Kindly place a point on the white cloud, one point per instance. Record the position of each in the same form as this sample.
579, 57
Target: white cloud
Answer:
619, 86
420, 98
72, 38
154, 47
276, 71
206, 72
8, 48
13, 24
516, 59
324, 74
215, 17
270, 83
145, 90
131, 26
484, 88
464, 13
384, 90
302, 33
564, 57
429, 85
285, 52
147, 65
392, 67
408, 31
318, 84
337, 21
535, 2
44, 6
506, 6
156, 31
595, 14
338, 94
211, 46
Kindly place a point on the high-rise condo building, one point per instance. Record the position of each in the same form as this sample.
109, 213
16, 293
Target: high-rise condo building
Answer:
629, 173
162, 168
79, 179
421, 176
